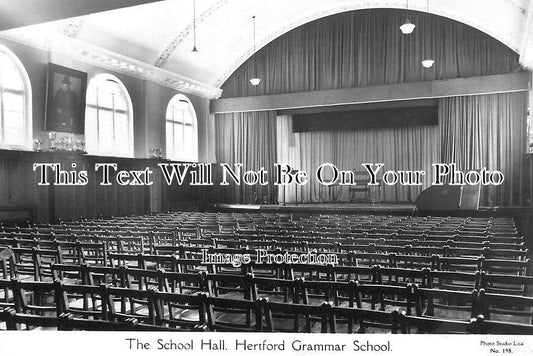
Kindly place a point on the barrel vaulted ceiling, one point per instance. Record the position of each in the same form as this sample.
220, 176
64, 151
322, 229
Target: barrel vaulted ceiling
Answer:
156, 38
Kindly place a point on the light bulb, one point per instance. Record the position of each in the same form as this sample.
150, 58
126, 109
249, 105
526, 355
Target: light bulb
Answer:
428, 63
255, 81
407, 27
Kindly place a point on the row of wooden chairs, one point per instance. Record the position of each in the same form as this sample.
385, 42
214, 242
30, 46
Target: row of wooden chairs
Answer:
211, 224
341, 288
447, 272
130, 309
100, 245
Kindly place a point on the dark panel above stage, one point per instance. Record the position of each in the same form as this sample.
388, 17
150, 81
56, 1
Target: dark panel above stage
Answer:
366, 119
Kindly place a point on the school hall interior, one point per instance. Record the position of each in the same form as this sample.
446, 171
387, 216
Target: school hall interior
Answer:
327, 96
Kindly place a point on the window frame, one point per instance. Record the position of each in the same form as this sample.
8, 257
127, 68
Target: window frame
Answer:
170, 119
26, 94
94, 148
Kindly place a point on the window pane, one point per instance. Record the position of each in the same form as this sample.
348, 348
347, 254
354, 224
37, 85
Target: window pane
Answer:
189, 133
91, 135
14, 120
189, 142
105, 132
178, 114
13, 102
14, 128
91, 96
121, 133
187, 117
14, 136
170, 140
11, 78
182, 105
178, 140
105, 100
120, 101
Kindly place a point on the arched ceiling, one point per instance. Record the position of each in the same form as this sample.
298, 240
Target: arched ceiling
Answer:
160, 34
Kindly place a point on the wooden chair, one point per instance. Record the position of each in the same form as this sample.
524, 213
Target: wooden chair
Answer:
68, 323
185, 312
363, 321
296, 318
448, 304
479, 325
183, 283
120, 304
229, 286
505, 284
232, 315
35, 304
82, 301
506, 308
278, 290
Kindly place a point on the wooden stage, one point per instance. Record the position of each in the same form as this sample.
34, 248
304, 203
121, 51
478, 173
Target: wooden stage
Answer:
311, 208
375, 209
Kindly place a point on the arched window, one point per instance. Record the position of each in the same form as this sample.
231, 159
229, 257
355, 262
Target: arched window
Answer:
108, 117
15, 103
182, 130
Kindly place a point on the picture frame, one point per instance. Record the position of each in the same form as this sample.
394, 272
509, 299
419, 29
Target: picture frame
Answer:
65, 100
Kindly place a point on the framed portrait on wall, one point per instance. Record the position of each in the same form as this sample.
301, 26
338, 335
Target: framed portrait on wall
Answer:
65, 100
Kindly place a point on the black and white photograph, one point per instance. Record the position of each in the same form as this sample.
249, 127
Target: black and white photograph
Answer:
301, 177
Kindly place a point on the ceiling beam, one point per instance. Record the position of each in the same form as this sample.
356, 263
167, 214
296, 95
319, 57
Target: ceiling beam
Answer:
491, 84
19, 13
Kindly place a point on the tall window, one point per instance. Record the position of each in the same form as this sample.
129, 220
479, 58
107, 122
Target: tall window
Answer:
108, 118
182, 131
15, 103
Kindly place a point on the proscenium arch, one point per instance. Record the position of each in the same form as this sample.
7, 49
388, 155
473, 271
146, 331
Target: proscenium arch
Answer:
399, 5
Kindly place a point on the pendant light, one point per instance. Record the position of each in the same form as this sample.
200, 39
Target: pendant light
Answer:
427, 62
194, 49
255, 80
407, 26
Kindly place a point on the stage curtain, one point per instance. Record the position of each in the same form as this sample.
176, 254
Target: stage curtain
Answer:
489, 131
404, 148
288, 153
250, 139
365, 47
474, 132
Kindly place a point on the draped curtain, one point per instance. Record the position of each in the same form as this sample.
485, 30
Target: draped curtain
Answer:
365, 47
400, 148
489, 131
250, 139
474, 132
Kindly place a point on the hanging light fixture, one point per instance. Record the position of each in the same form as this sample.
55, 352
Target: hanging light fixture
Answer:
427, 62
194, 49
255, 80
407, 26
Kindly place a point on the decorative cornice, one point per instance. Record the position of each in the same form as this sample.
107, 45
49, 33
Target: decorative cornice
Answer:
180, 37
73, 26
100, 57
